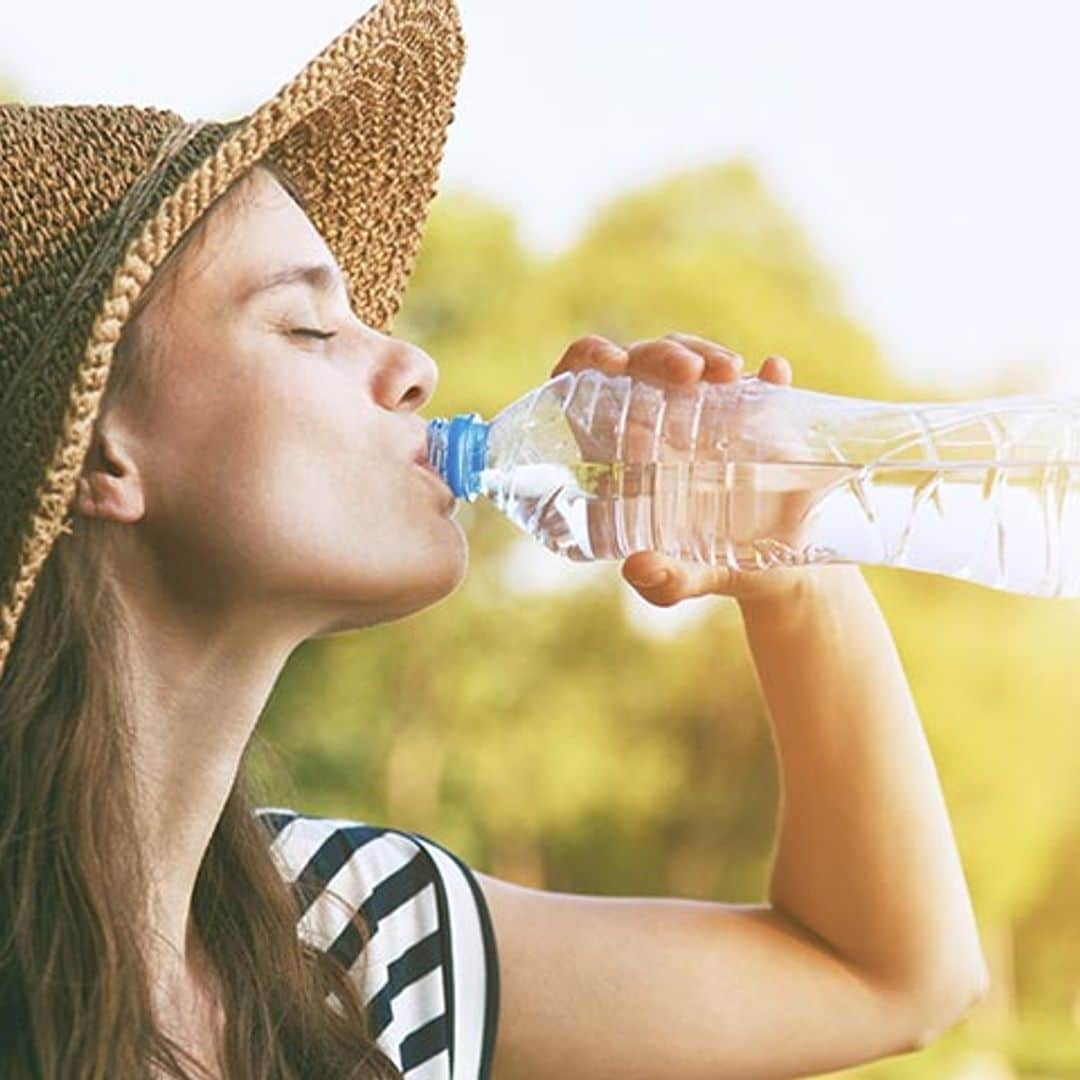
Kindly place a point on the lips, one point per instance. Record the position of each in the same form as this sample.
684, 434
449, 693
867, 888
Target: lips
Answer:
420, 458
426, 466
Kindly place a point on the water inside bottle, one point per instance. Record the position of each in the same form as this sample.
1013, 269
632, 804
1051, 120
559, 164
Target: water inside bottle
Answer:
1011, 526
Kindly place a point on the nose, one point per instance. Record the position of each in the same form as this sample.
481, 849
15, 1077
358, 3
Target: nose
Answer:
406, 379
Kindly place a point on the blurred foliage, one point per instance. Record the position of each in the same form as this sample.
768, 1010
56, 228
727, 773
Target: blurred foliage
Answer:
552, 740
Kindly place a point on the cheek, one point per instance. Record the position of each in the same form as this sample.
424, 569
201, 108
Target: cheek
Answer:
301, 490
251, 466
294, 480
347, 524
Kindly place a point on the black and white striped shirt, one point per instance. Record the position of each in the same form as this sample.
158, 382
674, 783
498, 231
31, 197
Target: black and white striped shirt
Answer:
431, 984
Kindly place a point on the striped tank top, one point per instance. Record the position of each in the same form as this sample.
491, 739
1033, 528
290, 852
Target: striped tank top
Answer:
430, 982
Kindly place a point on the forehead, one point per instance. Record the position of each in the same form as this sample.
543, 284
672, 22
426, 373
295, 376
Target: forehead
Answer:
257, 230
322, 277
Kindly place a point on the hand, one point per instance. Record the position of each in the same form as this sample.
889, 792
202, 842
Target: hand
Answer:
680, 361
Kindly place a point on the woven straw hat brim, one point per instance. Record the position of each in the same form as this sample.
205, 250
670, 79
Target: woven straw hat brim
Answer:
361, 132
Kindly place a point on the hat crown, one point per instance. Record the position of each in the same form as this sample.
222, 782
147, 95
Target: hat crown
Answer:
68, 166
67, 170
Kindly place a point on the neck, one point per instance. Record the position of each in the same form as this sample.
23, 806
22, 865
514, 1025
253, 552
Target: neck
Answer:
197, 697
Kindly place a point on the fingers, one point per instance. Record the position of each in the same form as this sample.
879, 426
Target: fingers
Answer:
679, 359
676, 358
721, 363
664, 361
592, 351
776, 369
682, 359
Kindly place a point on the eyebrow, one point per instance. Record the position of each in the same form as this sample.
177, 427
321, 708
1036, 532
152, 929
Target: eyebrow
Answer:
321, 276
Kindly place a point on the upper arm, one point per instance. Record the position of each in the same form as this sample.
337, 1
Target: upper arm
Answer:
640, 988
426, 968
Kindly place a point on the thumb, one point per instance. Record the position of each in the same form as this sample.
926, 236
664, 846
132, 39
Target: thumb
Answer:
663, 581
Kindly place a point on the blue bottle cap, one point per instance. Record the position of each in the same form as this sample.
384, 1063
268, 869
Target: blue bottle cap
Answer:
458, 450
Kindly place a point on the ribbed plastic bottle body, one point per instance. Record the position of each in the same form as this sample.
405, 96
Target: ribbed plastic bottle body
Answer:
754, 475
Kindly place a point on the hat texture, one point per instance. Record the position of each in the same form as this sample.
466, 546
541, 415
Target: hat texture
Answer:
93, 198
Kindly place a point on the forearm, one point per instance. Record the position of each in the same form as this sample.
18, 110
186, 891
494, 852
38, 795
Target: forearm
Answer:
865, 856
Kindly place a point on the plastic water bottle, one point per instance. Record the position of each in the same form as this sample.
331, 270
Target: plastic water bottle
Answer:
757, 475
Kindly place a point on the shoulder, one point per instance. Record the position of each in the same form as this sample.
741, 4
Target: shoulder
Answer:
429, 975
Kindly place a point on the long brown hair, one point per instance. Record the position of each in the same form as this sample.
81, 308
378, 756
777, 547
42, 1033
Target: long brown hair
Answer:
76, 998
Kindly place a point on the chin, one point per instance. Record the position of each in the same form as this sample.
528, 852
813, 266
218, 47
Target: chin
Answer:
404, 594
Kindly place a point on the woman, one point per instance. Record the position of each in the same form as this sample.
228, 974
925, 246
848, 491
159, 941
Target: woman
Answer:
201, 411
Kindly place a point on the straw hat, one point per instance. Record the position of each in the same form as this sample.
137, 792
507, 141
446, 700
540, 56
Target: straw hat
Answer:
94, 197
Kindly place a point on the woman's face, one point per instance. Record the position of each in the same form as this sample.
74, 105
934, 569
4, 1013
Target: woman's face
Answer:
279, 470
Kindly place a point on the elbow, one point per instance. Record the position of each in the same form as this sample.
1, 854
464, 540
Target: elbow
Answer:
939, 1009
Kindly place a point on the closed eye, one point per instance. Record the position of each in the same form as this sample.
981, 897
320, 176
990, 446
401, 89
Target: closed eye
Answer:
322, 335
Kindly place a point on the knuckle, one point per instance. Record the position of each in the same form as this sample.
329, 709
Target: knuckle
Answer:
723, 352
585, 350
595, 342
658, 348
683, 339
715, 348
601, 352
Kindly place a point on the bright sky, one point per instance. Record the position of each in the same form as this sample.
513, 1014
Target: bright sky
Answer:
930, 150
